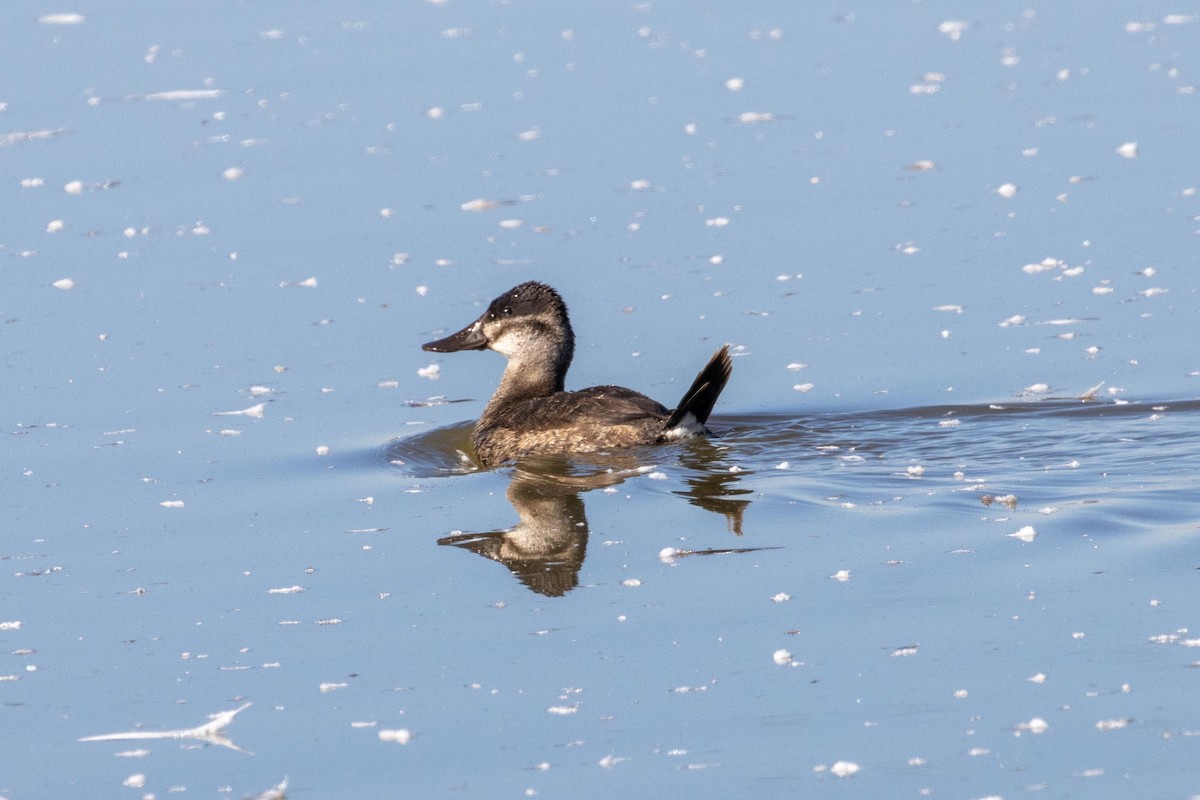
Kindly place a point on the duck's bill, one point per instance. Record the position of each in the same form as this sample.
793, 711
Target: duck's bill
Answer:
469, 338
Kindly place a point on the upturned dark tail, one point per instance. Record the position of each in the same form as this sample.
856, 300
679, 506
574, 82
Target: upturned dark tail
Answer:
702, 396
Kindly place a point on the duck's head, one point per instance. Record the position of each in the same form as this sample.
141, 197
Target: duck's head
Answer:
527, 321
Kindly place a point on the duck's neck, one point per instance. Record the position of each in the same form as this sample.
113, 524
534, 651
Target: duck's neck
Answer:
535, 372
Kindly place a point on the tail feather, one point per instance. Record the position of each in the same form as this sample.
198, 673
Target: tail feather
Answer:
699, 400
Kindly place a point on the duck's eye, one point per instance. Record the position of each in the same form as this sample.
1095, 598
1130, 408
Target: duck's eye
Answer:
507, 311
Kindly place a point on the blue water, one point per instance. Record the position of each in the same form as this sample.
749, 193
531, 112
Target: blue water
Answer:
226, 481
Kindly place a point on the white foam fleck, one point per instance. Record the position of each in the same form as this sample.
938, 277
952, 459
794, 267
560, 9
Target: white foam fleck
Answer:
781, 597
430, 372
632, 582
479, 204
255, 411
396, 735
64, 284
751, 117
954, 28
1035, 726
841, 576
1025, 534
1128, 150
1112, 724
233, 173
781, 657
135, 781
804, 387
172, 504
735, 84
63, 18
294, 589
1007, 190
843, 769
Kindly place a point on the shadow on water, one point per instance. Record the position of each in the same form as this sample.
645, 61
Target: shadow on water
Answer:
1156, 444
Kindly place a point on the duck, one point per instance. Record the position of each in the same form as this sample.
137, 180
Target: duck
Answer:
531, 413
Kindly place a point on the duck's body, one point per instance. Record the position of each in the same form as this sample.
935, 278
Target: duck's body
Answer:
531, 413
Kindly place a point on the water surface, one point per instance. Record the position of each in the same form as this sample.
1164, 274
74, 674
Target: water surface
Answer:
944, 542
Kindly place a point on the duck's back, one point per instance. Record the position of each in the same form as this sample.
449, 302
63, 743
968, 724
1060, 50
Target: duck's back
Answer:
586, 421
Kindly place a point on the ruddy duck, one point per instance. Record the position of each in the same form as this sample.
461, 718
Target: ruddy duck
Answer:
530, 413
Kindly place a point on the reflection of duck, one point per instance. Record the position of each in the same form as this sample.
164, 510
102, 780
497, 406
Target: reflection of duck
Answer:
531, 414
546, 548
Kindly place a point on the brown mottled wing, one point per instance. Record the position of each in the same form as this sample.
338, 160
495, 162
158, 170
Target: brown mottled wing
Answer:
597, 406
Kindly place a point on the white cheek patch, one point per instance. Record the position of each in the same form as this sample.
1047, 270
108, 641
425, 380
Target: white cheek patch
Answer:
511, 342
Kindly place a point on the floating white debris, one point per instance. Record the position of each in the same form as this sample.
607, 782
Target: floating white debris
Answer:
951, 308
562, 711
172, 504
922, 165
954, 28
735, 84
804, 387
396, 735
431, 372
1007, 190
657, 475
307, 283
435, 113
949, 423
1015, 319
1112, 724
322, 450
1038, 678
781, 597
233, 173
180, 94
55, 226
1035, 726
294, 589
783, 465
135, 781
781, 657
64, 284
62, 19
841, 576
480, 204
11, 625
1128, 150
212, 732
717, 222
915, 471
1037, 388
332, 687
1026, 534
751, 117
633, 582
843, 769
1154, 292
610, 761
255, 411
1044, 265
961, 694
